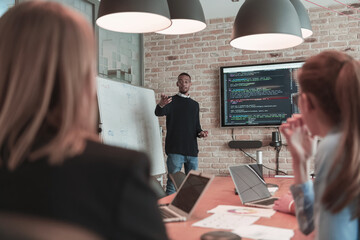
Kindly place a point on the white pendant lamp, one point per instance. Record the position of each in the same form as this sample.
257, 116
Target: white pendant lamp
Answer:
133, 16
306, 29
264, 25
187, 16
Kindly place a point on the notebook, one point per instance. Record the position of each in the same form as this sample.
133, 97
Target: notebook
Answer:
251, 187
186, 198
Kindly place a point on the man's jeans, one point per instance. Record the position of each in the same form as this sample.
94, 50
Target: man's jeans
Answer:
174, 164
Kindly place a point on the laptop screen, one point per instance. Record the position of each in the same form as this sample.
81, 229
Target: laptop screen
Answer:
248, 183
189, 192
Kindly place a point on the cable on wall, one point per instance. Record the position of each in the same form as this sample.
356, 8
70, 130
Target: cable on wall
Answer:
253, 159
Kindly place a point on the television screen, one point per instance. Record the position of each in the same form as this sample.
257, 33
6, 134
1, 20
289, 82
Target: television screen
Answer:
258, 95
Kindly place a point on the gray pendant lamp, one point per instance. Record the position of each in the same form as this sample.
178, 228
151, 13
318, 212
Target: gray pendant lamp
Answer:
264, 25
187, 16
306, 29
133, 16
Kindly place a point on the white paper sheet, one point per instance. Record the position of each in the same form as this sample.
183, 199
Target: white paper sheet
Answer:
243, 211
264, 232
225, 221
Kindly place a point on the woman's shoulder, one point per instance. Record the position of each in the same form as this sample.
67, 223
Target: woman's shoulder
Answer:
327, 151
96, 153
331, 139
329, 144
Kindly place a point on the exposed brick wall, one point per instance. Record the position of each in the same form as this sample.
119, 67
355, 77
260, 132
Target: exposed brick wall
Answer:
201, 54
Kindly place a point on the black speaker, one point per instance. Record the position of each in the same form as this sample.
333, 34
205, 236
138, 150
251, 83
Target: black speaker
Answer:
245, 144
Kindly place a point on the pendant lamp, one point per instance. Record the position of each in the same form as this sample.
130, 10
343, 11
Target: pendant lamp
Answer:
306, 29
264, 25
187, 16
133, 16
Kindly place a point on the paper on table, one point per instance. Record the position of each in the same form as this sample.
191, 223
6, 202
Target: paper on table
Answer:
244, 211
225, 221
264, 232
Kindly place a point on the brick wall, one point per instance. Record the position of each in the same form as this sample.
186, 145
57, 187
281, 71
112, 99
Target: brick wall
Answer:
201, 54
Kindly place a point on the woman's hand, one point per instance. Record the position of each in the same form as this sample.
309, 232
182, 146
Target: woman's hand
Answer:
301, 144
285, 204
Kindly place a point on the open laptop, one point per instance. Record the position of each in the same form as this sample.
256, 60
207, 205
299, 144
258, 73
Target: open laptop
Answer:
251, 187
186, 198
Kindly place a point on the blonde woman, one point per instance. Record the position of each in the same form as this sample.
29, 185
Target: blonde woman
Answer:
52, 164
329, 102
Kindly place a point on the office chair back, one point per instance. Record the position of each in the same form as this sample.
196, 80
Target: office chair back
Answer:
157, 188
23, 227
177, 178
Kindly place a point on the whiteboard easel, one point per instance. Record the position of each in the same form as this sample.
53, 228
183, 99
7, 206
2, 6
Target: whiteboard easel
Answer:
128, 120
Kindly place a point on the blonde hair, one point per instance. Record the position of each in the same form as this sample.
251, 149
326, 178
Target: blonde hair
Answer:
334, 79
47, 85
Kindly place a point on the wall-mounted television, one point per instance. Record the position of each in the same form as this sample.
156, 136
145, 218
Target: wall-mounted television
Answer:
258, 95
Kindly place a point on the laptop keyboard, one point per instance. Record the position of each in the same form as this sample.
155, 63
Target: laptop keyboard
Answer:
166, 213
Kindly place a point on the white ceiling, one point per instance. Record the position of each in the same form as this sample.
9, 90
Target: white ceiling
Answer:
228, 8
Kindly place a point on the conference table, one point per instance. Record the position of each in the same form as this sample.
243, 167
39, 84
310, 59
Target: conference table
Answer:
221, 192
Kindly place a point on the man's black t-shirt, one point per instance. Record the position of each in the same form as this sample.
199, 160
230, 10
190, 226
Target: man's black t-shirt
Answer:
182, 125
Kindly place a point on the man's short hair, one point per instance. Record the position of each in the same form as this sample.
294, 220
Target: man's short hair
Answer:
184, 74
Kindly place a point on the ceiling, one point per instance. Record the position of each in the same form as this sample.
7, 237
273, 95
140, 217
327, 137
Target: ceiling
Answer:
228, 8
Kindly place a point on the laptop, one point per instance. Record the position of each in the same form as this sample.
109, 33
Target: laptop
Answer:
251, 187
186, 198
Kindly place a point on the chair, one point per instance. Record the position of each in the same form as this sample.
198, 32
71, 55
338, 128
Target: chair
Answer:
177, 178
23, 227
157, 188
